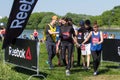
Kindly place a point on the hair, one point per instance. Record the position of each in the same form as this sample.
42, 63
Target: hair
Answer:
70, 23
87, 22
95, 24
69, 19
65, 18
54, 17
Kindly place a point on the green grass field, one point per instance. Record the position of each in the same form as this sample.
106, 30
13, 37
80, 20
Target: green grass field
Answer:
108, 70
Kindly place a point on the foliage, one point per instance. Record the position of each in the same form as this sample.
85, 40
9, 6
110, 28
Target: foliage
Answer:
77, 17
4, 20
40, 19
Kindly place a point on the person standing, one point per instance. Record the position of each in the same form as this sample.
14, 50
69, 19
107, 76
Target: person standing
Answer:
50, 32
80, 39
35, 34
96, 46
85, 49
67, 36
58, 52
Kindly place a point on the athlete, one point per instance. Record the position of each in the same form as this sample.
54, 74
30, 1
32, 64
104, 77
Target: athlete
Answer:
85, 49
80, 39
96, 46
67, 36
50, 32
58, 50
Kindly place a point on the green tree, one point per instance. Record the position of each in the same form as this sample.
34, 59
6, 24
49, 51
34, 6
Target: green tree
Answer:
4, 20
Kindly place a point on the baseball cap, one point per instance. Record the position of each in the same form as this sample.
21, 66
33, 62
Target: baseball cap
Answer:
81, 23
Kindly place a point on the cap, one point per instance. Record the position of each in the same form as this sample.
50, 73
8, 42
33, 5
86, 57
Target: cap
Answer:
54, 17
81, 23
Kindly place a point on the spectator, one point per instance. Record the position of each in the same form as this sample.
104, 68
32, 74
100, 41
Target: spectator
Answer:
35, 34
25, 36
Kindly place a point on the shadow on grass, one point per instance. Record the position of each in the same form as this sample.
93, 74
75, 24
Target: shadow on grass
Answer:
103, 71
78, 70
113, 67
29, 72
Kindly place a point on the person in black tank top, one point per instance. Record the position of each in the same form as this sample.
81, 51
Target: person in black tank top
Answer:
96, 46
80, 39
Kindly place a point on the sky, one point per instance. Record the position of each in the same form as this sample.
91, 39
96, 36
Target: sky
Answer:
61, 7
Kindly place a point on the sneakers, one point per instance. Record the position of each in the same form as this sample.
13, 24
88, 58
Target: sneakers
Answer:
50, 66
47, 62
67, 72
95, 73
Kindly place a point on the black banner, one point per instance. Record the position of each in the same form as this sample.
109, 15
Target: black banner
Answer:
111, 50
18, 19
23, 53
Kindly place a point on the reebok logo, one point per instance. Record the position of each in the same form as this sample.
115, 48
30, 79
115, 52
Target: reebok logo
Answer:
20, 53
24, 9
28, 54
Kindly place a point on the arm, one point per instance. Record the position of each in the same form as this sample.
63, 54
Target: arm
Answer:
101, 38
50, 32
88, 37
74, 36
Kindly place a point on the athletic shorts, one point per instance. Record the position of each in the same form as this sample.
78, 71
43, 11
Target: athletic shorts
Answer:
85, 49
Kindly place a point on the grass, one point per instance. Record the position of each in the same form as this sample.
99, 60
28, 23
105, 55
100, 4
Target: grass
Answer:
108, 70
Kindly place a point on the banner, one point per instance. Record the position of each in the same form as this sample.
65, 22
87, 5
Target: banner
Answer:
18, 19
111, 50
23, 53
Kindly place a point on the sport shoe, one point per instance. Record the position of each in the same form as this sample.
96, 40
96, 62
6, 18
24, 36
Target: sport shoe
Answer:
67, 72
95, 73
47, 62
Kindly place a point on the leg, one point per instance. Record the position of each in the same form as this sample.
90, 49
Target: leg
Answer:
66, 56
83, 58
88, 54
50, 53
53, 50
94, 56
78, 56
98, 58
47, 49
72, 60
70, 51
88, 60
63, 54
